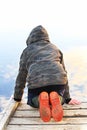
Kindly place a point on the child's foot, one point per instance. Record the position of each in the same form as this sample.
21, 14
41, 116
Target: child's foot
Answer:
57, 110
44, 107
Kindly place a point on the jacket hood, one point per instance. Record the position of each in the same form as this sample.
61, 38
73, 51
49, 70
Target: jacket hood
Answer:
37, 34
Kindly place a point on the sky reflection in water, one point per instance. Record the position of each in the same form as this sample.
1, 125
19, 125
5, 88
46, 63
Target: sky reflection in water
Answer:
76, 63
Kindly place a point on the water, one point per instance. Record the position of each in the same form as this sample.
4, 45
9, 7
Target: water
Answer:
76, 65
6, 89
8, 72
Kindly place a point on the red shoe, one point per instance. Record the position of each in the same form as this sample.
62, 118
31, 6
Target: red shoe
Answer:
44, 107
57, 110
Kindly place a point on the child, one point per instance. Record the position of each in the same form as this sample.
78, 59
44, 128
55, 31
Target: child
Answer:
42, 67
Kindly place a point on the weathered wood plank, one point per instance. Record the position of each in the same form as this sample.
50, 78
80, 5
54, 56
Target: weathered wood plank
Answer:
83, 105
35, 113
12, 105
28, 118
24, 106
38, 121
47, 127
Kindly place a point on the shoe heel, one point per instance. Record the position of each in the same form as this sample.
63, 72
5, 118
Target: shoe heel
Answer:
57, 110
44, 107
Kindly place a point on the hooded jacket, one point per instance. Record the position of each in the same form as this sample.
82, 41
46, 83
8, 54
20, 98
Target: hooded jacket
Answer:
41, 64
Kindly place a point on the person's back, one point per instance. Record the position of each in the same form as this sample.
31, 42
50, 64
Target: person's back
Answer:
42, 67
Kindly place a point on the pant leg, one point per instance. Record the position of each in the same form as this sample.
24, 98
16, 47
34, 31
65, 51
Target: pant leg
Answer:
33, 97
61, 100
33, 100
61, 93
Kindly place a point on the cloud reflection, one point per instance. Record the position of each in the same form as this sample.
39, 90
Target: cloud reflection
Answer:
76, 64
3, 102
9, 73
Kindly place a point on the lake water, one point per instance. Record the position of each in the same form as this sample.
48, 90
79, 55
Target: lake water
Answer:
76, 66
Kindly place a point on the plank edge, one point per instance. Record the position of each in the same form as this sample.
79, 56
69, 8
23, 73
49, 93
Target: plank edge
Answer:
8, 111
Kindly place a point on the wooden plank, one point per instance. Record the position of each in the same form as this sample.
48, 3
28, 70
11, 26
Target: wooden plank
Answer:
83, 105
47, 127
24, 106
38, 121
28, 118
11, 107
35, 113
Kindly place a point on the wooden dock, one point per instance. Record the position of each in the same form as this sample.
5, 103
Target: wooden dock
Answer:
20, 116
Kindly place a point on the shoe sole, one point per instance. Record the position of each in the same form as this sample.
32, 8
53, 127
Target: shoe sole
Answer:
57, 110
44, 107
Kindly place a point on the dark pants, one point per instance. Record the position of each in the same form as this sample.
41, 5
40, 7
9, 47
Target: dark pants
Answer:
33, 94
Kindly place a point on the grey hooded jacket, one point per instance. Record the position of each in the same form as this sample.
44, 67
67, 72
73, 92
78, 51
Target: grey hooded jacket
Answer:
41, 64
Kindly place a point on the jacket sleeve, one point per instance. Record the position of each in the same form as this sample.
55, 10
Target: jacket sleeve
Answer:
66, 93
21, 78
